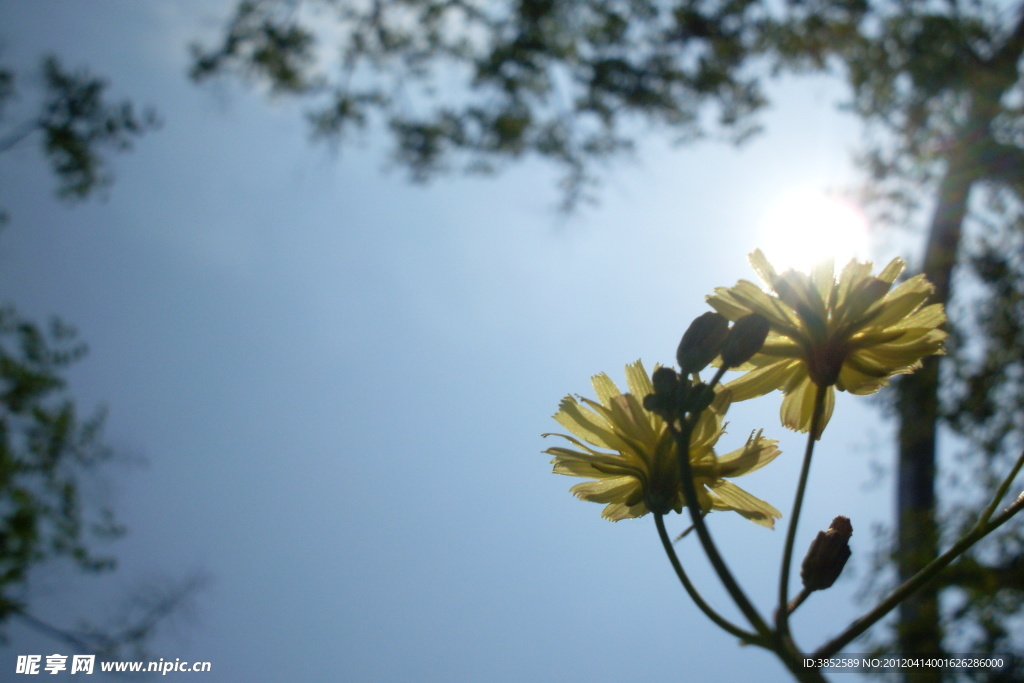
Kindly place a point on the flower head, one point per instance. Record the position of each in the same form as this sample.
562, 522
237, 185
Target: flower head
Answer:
638, 470
850, 332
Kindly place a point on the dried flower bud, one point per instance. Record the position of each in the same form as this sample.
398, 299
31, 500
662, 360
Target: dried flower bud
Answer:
827, 555
745, 339
701, 342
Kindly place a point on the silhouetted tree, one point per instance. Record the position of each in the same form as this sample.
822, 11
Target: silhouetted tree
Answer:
74, 126
48, 450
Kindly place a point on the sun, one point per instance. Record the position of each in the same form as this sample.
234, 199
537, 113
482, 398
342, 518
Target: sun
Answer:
808, 226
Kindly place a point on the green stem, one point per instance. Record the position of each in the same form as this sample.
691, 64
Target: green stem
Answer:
980, 530
781, 644
693, 505
718, 376
990, 510
782, 613
798, 600
722, 622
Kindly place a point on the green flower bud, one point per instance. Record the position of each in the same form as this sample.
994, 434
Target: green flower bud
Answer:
745, 339
827, 555
701, 342
664, 381
663, 400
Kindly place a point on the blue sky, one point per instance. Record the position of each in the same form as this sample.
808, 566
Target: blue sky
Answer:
338, 381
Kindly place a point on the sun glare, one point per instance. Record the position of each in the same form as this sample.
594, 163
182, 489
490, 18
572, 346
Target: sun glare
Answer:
806, 227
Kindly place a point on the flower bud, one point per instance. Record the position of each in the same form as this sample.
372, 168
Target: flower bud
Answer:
701, 342
827, 555
663, 400
745, 339
664, 381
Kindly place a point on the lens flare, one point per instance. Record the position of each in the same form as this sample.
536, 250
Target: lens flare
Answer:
808, 226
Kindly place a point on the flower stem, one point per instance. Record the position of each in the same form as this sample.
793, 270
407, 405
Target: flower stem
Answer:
991, 508
798, 600
782, 613
693, 505
722, 622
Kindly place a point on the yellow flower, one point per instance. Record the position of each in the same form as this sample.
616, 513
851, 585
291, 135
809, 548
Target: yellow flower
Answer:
849, 332
641, 473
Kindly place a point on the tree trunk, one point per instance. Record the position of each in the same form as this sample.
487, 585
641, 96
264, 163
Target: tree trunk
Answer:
920, 629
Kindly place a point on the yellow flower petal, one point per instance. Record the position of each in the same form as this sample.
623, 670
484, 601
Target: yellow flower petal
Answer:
626, 489
798, 406
754, 455
763, 380
728, 496
584, 425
